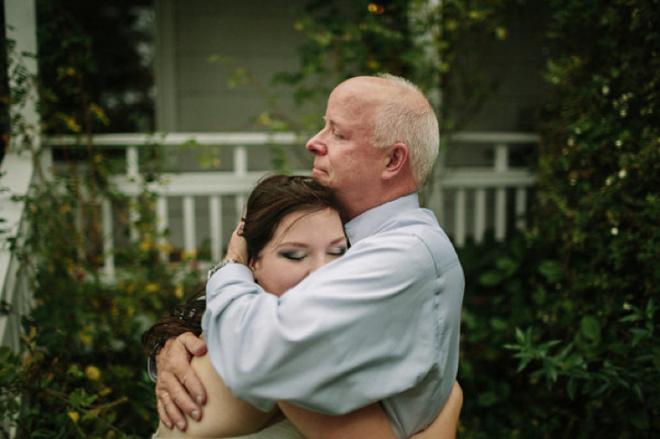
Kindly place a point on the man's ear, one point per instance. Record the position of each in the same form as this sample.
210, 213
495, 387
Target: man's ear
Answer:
397, 160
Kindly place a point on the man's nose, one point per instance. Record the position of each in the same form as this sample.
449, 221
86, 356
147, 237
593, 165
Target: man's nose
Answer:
316, 145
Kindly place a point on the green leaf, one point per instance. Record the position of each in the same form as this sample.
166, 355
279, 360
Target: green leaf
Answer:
551, 271
490, 278
640, 420
590, 328
487, 399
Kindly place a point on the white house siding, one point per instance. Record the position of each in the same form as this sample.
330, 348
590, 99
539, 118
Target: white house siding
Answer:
255, 35
193, 95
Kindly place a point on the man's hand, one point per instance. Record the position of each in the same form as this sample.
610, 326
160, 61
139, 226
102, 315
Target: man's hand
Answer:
178, 389
237, 247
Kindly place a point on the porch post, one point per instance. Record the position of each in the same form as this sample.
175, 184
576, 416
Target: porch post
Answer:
16, 169
21, 28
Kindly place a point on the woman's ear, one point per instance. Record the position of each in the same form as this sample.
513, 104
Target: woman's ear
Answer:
254, 265
397, 158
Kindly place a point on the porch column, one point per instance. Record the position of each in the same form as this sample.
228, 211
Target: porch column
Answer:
21, 28
16, 170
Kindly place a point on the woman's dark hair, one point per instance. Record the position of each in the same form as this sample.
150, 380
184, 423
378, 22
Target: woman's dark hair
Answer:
271, 200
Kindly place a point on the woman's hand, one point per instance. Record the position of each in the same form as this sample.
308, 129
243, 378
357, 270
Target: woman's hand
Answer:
237, 247
177, 385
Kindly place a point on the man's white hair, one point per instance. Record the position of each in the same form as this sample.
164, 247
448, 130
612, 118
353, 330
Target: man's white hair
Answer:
407, 117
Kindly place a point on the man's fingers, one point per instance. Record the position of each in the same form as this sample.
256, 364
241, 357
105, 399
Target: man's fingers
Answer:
172, 392
194, 389
162, 413
186, 375
172, 411
193, 344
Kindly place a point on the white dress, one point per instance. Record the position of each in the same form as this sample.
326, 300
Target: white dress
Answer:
280, 430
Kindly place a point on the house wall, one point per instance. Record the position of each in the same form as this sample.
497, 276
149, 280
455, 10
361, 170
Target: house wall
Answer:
193, 94
201, 43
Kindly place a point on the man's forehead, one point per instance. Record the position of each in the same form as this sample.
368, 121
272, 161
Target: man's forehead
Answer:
350, 100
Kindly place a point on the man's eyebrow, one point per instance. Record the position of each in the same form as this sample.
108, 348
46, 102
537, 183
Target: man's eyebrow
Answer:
327, 120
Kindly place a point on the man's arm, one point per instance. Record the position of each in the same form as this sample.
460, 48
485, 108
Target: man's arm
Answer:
358, 330
177, 384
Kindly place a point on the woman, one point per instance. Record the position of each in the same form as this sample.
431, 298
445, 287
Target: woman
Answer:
292, 227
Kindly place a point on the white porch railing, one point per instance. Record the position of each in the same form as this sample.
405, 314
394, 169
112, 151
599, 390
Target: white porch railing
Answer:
486, 187
469, 200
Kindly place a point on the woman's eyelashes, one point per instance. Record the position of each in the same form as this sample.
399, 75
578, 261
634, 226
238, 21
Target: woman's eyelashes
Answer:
337, 251
293, 255
299, 255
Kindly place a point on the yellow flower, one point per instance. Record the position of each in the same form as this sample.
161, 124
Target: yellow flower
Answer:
476, 15
92, 373
178, 291
86, 339
74, 416
165, 247
372, 64
145, 245
188, 255
105, 391
501, 33
71, 123
152, 287
264, 119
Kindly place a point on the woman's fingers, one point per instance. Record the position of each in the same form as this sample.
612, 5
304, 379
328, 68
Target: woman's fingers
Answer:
237, 247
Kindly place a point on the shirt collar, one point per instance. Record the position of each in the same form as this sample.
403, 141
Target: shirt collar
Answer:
369, 222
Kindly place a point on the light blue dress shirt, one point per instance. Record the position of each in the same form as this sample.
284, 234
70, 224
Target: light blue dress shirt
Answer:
381, 323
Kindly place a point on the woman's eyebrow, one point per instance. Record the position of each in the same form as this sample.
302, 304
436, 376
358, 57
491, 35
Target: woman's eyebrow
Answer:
292, 244
338, 240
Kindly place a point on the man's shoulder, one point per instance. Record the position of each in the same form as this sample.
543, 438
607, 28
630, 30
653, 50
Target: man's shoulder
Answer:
415, 233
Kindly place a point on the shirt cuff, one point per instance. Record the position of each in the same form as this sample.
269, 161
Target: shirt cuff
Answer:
151, 368
232, 270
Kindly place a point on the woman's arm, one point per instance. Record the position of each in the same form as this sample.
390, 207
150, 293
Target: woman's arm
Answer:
371, 421
223, 415
366, 423
446, 423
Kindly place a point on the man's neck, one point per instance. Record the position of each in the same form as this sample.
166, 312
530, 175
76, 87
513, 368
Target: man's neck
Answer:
357, 205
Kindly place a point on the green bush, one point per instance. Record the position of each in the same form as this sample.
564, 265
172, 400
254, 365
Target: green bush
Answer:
81, 361
577, 295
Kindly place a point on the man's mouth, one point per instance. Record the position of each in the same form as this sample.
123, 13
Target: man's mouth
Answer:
316, 170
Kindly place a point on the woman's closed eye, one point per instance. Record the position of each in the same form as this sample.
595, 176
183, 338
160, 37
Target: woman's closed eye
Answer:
293, 255
337, 251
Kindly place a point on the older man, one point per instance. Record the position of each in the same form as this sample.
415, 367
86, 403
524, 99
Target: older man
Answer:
379, 324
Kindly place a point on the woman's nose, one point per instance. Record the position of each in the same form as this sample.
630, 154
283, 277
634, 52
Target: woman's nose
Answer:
318, 262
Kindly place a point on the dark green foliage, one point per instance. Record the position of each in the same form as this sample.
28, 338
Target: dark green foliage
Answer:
579, 305
82, 359
95, 65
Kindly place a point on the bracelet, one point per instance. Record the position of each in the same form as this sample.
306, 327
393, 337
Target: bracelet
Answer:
219, 266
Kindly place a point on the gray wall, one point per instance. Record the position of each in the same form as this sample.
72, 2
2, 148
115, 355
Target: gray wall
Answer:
192, 90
